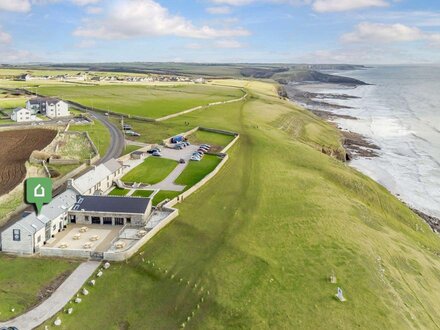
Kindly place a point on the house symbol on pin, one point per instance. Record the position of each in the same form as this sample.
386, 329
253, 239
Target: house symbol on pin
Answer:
39, 191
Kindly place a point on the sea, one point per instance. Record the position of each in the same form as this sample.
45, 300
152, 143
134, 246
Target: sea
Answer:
399, 112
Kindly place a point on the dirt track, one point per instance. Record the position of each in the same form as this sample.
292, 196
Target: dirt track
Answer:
15, 148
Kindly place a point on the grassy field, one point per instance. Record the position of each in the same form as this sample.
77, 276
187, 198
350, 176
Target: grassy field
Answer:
12, 103
98, 133
119, 192
151, 171
254, 247
152, 102
213, 139
196, 171
129, 149
22, 279
142, 193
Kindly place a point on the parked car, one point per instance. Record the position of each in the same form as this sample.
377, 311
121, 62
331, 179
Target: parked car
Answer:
203, 149
126, 127
156, 154
106, 114
195, 158
206, 145
132, 133
178, 147
182, 161
151, 151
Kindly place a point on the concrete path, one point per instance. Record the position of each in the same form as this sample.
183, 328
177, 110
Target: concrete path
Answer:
168, 183
57, 300
136, 143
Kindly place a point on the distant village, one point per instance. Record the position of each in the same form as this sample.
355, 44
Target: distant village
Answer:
85, 76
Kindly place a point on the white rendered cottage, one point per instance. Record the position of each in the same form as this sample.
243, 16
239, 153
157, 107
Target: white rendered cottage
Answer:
22, 115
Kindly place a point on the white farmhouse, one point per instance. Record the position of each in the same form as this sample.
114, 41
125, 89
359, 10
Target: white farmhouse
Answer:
22, 115
98, 180
51, 107
27, 235
57, 108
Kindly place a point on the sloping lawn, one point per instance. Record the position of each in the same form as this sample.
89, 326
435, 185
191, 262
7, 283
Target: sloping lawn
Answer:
196, 171
22, 281
151, 171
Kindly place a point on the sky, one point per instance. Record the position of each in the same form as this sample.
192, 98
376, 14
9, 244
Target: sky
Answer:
251, 31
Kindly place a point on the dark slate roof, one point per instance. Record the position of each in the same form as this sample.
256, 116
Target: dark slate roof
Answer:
38, 100
115, 204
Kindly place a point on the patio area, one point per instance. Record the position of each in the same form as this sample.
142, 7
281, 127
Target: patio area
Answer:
96, 238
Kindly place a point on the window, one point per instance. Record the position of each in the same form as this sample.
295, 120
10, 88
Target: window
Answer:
96, 220
39, 239
86, 218
128, 220
119, 221
107, 220
16, 235
72, 218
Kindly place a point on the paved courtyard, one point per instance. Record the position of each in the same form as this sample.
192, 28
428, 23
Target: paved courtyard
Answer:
105, 233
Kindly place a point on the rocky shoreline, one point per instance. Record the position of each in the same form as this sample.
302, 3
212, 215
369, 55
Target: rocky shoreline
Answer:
356, 145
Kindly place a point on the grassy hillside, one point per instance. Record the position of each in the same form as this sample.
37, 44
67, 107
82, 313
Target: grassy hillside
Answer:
152, 102
23, 281
254, 247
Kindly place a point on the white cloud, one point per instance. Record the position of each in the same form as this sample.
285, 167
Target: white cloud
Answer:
22, 6
219, 10
228, 44
138, 18
234, 2
383, 33
93, 10
85, 2
345, 5
5, 38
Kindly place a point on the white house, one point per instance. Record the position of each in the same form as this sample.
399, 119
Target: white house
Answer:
22, 115
51, 107
98, 180
57, 108
33, 231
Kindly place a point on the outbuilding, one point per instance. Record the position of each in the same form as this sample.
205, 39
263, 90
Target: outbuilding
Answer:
110, 210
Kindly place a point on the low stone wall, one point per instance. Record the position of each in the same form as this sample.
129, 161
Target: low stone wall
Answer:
123, 255
55, 161
65, 253
201, 107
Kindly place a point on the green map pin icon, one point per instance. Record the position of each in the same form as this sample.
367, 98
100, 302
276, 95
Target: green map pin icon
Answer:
38, 192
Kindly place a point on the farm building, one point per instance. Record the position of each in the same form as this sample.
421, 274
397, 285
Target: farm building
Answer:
98, 180
110, 210
22, 115
33, 231
51, 107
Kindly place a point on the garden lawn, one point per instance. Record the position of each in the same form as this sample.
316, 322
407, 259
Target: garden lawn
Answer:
196, 171
142, 193
164, 194
143, 101
22, 279
119, 192
152, 170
